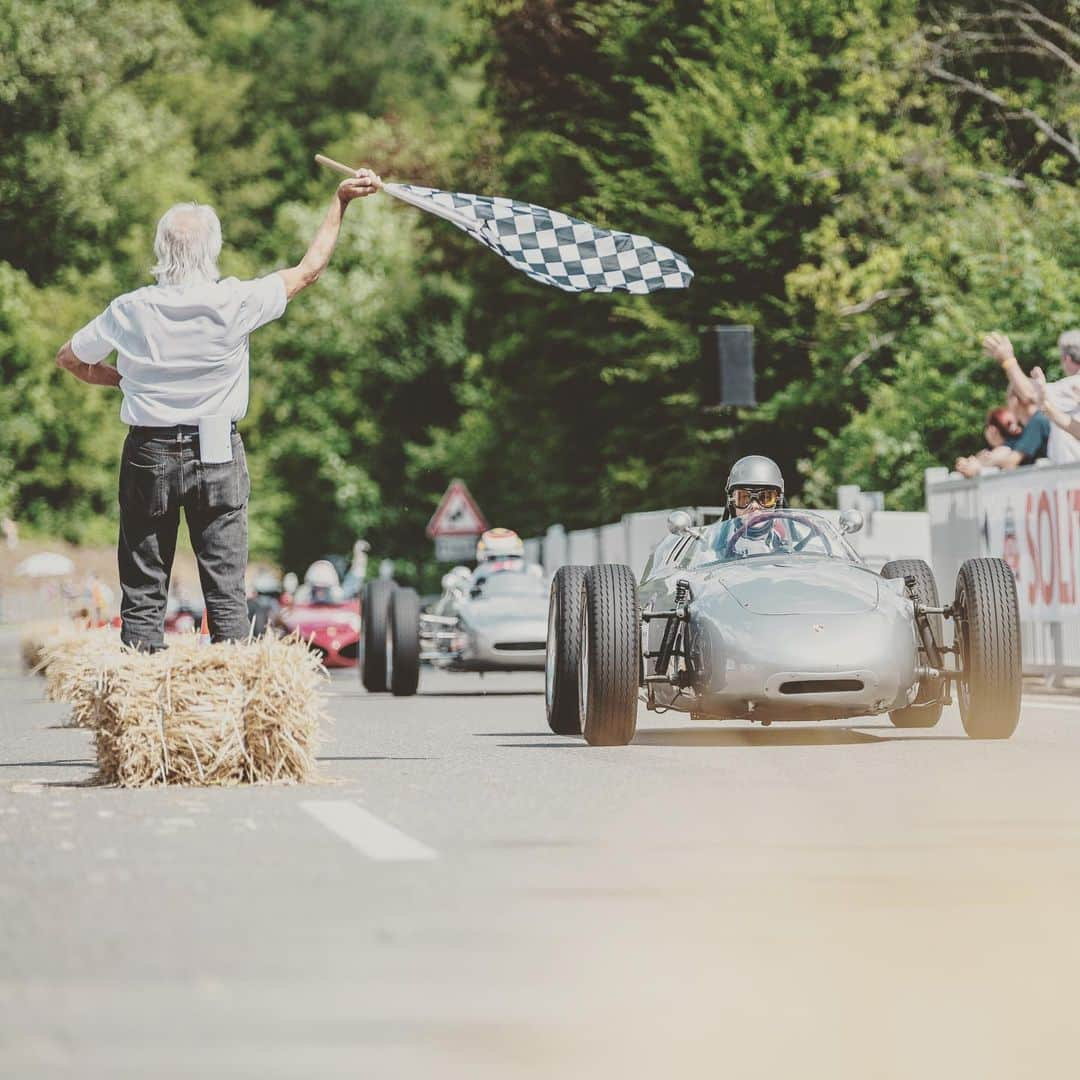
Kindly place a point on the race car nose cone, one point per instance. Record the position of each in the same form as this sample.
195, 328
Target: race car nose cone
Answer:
803, 587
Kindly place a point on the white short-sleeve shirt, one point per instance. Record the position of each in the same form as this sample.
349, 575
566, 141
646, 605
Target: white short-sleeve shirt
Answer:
182, 350
1062, 447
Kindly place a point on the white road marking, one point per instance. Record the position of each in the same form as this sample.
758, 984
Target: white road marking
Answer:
368, 834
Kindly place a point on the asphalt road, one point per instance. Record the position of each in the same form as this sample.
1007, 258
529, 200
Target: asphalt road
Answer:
469, 895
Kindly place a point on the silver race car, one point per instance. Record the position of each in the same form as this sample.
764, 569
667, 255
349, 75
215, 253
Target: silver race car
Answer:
494, 619
775, 617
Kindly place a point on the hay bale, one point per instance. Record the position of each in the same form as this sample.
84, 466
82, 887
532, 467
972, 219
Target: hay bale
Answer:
223, 714
38, 637
76, 667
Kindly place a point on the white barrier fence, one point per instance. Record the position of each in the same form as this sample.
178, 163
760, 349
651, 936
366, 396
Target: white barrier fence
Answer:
1031, 519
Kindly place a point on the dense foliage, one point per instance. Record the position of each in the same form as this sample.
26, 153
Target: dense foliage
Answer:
872, 184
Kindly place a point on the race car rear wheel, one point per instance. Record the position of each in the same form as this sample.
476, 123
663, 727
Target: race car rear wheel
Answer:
374, 614
610, 663
925, 710
403, 651
564, 650
987, 614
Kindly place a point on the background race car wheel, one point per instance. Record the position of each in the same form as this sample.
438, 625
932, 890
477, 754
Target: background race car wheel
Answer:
988, 637
564, 650
925, 711
610, 664
403, 663
374, 613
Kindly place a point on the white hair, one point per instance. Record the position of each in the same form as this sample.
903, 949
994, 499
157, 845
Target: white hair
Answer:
187, 245
1069, 343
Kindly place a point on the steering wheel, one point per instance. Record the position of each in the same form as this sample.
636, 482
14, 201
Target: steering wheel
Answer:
741, 529
738, 531
812, 531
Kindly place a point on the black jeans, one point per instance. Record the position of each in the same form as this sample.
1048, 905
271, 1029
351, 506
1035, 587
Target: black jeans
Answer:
158, 476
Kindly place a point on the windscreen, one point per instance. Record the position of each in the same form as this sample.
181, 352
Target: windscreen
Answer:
510, 583
780, 532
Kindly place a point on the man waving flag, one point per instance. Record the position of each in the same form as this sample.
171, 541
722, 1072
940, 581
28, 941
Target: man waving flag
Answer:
547, 245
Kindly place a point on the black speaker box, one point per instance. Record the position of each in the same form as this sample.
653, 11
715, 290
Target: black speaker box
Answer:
728, 355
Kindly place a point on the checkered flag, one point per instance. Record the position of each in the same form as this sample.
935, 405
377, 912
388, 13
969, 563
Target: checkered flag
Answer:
554, 248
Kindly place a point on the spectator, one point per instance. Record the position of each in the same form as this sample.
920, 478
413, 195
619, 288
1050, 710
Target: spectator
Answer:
354, 579
1032, 442
1001, 427
1067, 420
1063, 445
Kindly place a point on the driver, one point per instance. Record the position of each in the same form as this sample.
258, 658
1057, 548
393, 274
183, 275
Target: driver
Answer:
501, 549
754, 487
320, 586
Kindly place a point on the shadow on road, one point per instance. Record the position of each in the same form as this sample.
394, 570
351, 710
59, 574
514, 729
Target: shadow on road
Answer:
62, 764
698, 736
481, 693
373, 757
511, 734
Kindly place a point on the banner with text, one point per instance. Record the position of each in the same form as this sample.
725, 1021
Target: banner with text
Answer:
1031, 519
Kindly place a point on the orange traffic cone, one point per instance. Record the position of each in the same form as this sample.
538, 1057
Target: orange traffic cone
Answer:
204, 630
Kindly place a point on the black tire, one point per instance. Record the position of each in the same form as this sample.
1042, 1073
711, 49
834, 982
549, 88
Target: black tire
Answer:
610, 662
925, 710
564, 650
374, 616
988, 637
403, 653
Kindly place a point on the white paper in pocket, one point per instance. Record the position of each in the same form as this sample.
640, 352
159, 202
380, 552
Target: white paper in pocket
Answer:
215, 438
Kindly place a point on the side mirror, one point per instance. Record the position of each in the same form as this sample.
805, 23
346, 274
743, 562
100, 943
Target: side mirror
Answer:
851, 521
680, 523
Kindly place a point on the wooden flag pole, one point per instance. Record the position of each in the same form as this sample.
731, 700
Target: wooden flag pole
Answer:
330, 163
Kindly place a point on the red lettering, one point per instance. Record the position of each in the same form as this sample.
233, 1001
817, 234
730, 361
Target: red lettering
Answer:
1033, 551
1072, 504
1068, 581
1048, 544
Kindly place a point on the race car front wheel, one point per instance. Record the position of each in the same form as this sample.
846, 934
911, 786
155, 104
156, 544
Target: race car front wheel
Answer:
403, 653
374, 614
610, 662
564, 650
987, 615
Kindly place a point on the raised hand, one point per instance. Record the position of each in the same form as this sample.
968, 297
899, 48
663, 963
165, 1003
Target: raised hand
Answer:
1038, 384
365, 182
997, 346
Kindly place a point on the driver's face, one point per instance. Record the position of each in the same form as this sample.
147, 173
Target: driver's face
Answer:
753, 507
748, 500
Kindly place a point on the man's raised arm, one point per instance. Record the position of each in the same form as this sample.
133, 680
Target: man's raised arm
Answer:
307, 271
999, 347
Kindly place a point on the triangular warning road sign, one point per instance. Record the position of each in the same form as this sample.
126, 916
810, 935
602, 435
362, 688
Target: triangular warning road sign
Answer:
458, 514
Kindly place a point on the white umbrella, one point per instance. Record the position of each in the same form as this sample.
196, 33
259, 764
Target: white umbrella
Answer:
45, 564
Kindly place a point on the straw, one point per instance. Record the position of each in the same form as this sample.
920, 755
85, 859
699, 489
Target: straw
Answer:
209, 715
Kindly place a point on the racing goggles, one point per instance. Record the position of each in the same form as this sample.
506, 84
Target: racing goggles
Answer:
768, 498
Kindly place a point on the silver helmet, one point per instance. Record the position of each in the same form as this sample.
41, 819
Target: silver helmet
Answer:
754, 470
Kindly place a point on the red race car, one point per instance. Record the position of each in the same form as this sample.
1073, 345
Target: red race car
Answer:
328, 622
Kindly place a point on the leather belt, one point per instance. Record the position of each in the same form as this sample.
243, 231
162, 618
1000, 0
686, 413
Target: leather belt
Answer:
177, 431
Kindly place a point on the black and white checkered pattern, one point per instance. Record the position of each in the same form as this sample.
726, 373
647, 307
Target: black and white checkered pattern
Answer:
554, 248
